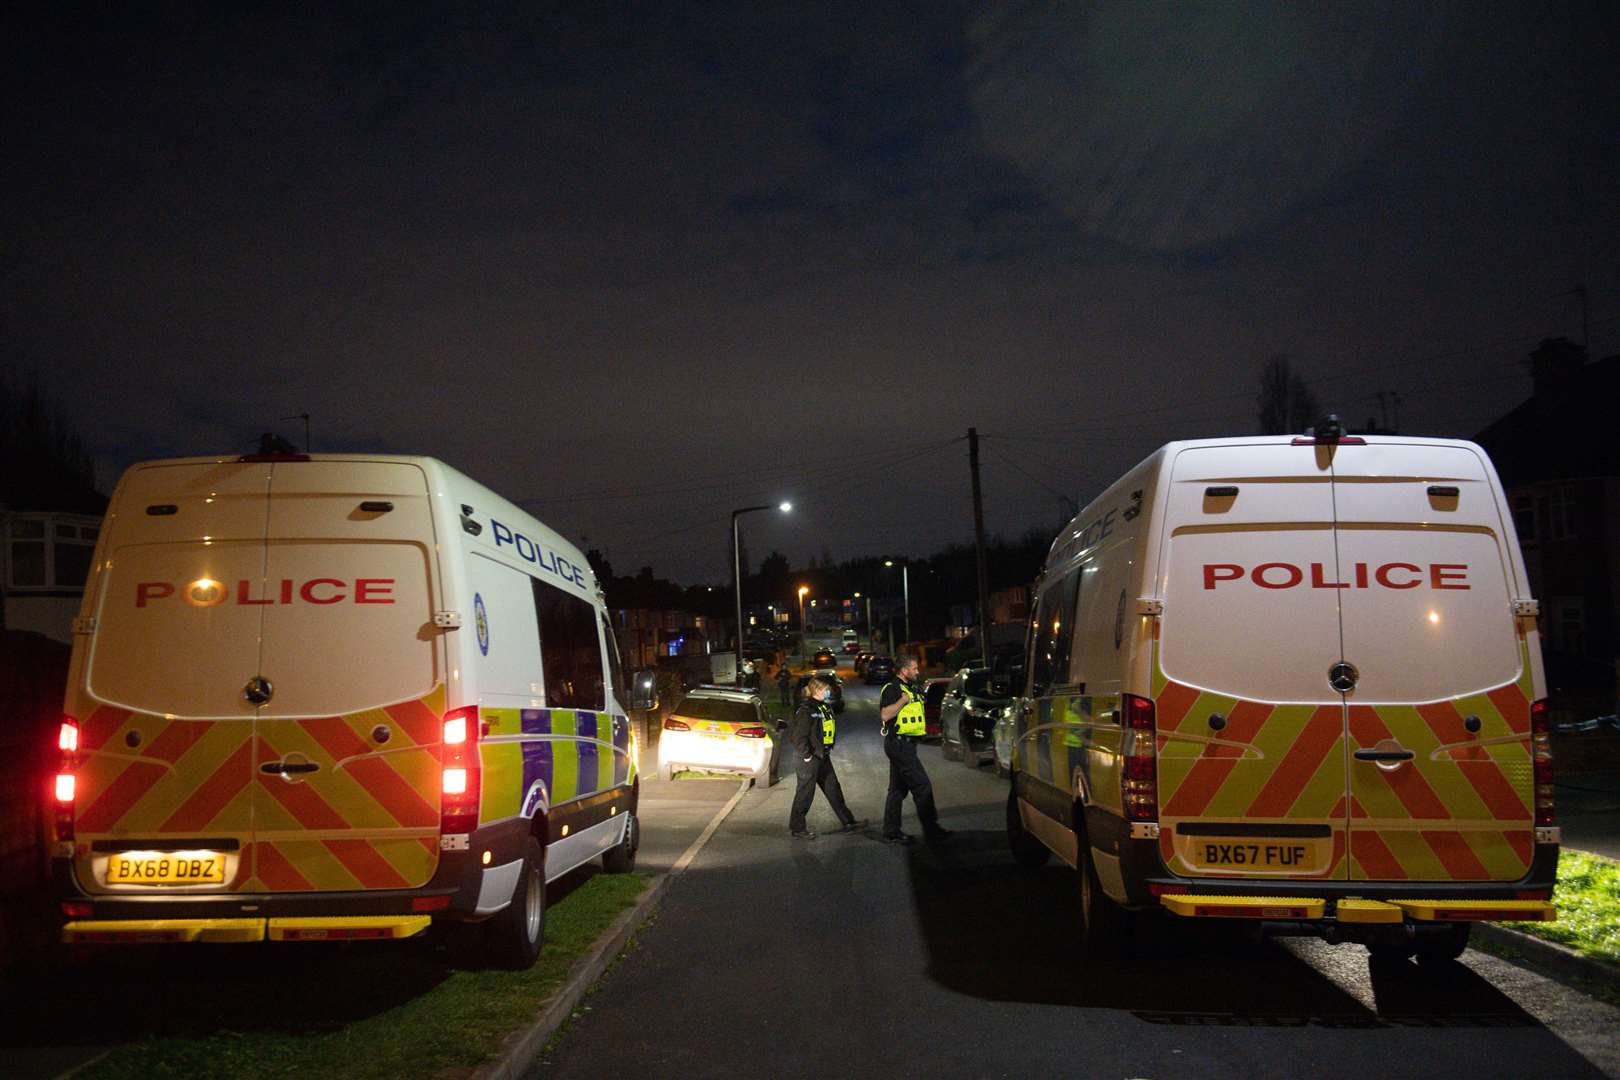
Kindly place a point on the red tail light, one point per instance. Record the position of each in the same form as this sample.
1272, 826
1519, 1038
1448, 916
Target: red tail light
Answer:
1139, 785
65, 789
458, 809
1541, 757
751, 732
673, 724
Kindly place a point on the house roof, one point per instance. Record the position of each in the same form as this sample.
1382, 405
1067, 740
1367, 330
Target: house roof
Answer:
1569, 430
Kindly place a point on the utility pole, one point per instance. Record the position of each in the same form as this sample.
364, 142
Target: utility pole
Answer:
978, 548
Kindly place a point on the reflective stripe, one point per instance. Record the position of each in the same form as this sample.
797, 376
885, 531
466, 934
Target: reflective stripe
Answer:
829, 725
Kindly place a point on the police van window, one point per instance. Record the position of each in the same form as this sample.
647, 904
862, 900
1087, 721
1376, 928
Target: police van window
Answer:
615, 665
570, 653
1053, 634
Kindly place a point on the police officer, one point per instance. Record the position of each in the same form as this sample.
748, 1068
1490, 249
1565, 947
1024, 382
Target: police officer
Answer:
812, 731
784, 684
900, 709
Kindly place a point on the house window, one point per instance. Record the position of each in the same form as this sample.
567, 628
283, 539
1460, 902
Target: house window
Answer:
1524, 517
1567, 627
1561, 512
48, 554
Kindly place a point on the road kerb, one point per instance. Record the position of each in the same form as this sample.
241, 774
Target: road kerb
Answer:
1550, 957
522, 1048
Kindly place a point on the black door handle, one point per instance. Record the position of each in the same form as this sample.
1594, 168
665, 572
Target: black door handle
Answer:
1384, 755
277, 768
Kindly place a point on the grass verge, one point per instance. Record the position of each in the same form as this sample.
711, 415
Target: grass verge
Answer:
456, 1022
1588, 900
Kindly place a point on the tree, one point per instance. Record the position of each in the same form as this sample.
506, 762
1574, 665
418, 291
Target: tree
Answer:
43, 462
1286, 404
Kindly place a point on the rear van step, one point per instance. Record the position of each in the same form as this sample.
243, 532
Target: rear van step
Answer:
1358, 910
334, 928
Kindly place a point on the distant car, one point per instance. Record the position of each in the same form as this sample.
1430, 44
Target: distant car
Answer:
861, 659
878, 670
824, 659
968, 716
835, 699
1587, 726
852, 648
716, 729
933, 696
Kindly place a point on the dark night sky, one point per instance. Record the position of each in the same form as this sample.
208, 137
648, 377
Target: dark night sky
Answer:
643, 263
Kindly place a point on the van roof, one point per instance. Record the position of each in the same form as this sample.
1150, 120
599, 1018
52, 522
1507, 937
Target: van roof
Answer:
445, 482
1133, 477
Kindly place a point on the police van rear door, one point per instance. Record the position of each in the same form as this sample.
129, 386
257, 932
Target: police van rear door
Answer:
166, 735
1439, 714
346, 793
1251, 759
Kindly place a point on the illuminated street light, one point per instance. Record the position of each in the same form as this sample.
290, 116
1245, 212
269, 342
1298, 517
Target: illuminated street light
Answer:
905, 585
804, 590
736, 568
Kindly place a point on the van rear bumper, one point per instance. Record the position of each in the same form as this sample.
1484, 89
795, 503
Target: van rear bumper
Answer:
1145, 887
457, 880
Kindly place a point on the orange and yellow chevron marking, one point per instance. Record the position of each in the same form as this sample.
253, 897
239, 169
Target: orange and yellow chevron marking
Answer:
372, 810
1323, 733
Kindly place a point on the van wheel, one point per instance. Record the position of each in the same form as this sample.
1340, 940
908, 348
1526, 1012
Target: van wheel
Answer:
1027, 851
512, 939
1444, 947
621, 858
1105, 926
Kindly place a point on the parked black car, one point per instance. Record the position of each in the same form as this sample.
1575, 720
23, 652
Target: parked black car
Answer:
824, 659
879, 670
835, 699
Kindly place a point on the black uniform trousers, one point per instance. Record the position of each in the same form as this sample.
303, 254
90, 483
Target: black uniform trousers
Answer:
906, 776
817, 771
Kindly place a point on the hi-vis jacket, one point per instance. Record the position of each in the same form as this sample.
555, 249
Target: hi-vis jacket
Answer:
813, 728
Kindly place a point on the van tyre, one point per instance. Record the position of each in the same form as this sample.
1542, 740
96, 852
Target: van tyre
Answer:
1105, 926
1027, 851
621, 858
512, 939
1445, 947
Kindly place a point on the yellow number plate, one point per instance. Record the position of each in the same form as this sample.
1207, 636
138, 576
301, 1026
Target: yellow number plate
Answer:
1256, 854
166, 868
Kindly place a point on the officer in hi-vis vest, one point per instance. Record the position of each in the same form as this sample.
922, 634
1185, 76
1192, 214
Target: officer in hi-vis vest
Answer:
812, 732
901, 710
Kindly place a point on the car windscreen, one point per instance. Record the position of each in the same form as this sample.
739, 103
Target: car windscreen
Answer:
727, 712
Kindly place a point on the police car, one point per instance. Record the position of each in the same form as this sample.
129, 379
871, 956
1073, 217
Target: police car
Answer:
720, 729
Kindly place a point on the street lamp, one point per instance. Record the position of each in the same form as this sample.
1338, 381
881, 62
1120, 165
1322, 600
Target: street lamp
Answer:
804, 590
905, 585
870, 637
736, 568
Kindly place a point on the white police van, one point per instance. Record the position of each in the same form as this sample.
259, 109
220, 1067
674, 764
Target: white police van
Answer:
335, 696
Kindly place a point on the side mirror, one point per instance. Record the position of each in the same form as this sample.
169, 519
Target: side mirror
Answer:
644, 689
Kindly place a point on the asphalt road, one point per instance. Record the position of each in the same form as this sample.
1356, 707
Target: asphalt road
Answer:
848, 957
